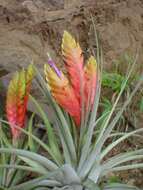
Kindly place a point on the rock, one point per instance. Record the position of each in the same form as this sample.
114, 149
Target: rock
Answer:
17, 48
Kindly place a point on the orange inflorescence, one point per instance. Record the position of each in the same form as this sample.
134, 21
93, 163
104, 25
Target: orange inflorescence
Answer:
80, 83
63, 92
17, 98
73, 59
90, 76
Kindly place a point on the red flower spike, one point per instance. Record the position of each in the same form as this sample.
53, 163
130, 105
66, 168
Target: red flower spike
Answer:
67, 91
73, 59
17, 97
20, 99
63, 92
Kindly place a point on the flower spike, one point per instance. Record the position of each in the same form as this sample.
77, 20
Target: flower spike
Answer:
79, 85
17, 98
62, 92
90, 72
73, 59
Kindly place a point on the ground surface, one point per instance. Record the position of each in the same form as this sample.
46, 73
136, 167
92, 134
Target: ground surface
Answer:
27, 27
30, 28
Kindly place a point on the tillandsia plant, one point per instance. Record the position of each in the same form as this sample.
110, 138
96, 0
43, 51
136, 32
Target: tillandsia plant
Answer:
77, 152
16, 103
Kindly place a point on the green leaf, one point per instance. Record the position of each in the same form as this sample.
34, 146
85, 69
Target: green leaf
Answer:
21, 167
127, 167
118, 186
30, 185
117, 100
90, 127
51, 136
107, 129
141, 105
3, 136
115, 143
121, 158
42, 144
35, 165
67, 157
67, 137
30, 139
31, 155
113, 81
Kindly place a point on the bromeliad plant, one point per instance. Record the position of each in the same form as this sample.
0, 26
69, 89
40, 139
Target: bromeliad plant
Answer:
76, 151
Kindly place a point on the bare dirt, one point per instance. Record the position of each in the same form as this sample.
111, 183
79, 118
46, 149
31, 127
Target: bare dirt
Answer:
30, 28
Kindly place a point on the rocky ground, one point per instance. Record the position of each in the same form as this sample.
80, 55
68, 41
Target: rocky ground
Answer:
30, 28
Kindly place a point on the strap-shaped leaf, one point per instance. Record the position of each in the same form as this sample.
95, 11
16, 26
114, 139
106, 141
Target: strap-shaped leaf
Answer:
115, 143
31, 155
118, 186
21, 167
50, 132
34, 183
121, 158
34, 165
36, 139
95, 155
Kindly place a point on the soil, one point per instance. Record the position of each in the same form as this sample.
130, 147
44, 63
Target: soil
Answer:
30, 28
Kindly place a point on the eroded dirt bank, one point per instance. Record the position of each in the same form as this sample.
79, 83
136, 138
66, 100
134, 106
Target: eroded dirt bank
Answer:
28, 29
